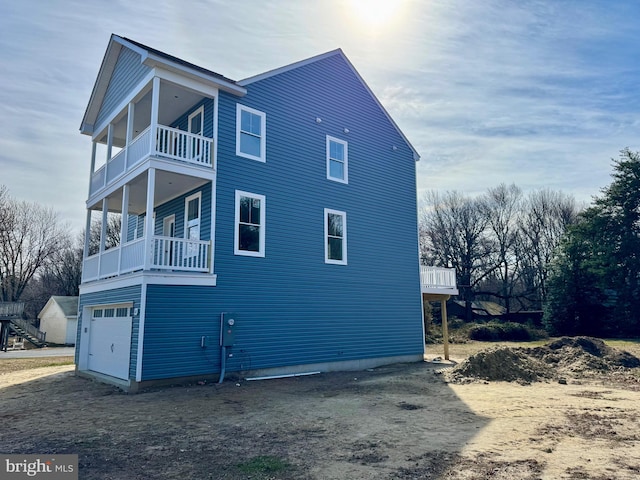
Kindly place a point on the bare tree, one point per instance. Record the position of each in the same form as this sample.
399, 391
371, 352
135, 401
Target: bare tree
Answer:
546, 216
29, 236
454, 228
503, 204
112, 239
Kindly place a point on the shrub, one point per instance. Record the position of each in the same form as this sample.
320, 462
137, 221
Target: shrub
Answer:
509, 331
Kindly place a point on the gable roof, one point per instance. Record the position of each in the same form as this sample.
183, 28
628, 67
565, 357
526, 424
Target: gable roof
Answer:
151, 58
68, 305
322, 56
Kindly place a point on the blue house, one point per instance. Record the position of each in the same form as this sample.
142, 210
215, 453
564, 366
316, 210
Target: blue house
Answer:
285, 202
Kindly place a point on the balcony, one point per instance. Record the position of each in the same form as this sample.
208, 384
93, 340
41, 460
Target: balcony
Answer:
168, 254
438, 281
165, 142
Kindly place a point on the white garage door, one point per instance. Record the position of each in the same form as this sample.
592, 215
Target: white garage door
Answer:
110, 340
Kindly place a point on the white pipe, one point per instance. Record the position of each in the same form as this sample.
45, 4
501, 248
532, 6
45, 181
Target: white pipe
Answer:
287, 375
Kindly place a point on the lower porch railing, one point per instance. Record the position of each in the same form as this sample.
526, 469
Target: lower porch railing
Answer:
166, 253
437, 277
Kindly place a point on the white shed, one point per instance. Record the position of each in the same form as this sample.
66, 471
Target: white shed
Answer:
59, 319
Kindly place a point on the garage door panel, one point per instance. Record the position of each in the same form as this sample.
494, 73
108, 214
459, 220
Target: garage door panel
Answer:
110, 346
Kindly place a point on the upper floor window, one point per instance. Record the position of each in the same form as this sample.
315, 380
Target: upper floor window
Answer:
251, 133
337, 160
335, 235
250, 224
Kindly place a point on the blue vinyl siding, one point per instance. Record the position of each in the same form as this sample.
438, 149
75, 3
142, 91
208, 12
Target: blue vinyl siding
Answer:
183, 121
176, 319
119, 295
135, 222
292, 307
128, 72
176, 207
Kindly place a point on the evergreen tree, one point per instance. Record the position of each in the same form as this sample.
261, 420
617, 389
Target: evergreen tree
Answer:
595, 286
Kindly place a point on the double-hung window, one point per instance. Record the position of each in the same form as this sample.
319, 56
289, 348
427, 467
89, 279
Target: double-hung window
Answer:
251, 133
335, 237
337, 160
249, 232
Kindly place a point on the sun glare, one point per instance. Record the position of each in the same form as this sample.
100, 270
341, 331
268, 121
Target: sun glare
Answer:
376, 13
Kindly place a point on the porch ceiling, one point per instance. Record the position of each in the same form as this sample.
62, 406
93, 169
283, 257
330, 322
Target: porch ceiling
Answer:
174, 101
168, 185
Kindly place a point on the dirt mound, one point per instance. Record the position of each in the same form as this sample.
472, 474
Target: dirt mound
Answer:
501, 364
579, 356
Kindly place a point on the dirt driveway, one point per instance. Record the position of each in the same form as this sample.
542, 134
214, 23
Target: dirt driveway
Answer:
395, 422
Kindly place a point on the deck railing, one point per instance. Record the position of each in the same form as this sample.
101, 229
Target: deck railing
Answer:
167, 142
167, 253
437, 277
11, 309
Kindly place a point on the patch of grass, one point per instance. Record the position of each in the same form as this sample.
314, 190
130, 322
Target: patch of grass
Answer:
8, 365
264, 464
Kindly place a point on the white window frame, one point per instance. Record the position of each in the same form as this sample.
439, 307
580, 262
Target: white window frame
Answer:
328, 211
263, 133
192, 115
188, 199
236, 228
346, 159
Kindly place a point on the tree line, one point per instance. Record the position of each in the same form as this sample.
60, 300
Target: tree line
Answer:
543, 252
39, 255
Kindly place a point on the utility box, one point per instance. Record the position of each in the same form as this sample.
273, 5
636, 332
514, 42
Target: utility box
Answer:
227, 329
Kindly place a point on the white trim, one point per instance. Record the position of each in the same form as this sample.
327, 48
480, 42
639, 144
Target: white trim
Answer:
141, 318
286, 68
263, 133
345, 160
236, 225
328, 211
194, 85
214, 159
183, 71
192, 115
150, 278
167, 165
168, 220
197, 195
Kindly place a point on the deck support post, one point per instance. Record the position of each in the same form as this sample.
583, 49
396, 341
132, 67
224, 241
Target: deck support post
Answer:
442, 298
445, 327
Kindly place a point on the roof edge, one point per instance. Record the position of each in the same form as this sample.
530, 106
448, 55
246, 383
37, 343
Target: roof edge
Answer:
291, 66
322, 56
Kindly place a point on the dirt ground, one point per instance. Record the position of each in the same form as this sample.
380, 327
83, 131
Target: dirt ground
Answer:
395, 422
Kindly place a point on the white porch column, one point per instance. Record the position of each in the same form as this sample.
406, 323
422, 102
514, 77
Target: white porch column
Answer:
212, 234
109, 141
155, 104
92, 169
124, 223
149, 220
130, 120
87, 235
109, 148
124, 230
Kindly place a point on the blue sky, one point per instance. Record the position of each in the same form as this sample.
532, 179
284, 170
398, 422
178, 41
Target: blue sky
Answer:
538, 93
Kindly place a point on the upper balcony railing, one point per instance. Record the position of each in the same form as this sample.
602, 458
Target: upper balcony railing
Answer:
438, 280
167, 142
164, 253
